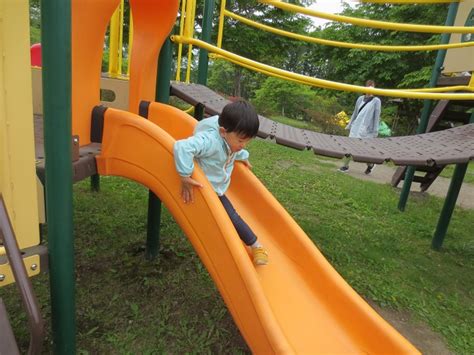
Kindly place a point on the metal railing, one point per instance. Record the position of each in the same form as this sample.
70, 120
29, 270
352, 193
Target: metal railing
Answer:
30, 303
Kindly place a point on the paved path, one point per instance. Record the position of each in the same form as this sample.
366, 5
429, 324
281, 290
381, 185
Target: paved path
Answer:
383, 174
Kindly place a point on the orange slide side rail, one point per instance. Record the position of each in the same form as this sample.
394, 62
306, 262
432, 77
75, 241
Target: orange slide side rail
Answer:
296, 304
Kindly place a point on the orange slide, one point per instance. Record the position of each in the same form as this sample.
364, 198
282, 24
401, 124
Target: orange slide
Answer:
296, 304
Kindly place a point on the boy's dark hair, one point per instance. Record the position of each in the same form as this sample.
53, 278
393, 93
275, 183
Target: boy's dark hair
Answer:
240, 117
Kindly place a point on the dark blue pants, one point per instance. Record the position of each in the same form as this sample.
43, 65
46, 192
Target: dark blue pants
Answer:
243, 230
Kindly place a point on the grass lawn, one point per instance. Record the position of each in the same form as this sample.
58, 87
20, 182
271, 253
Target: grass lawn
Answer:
469, 177
127, 305
296, 123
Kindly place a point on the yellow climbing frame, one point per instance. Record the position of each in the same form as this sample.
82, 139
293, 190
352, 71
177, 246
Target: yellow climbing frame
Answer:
408, 27
116, 41
370, 47
267, 69
18, 183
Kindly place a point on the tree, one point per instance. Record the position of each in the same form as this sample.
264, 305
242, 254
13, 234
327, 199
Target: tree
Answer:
388, 69
278, 96
259, 45
35, 21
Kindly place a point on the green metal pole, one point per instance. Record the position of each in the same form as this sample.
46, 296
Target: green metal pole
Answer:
95, 182
153, 226
206, 37
203, 53
199, 112
56, 42
164, 73
425, 114
409, 175
154, 203
450, 202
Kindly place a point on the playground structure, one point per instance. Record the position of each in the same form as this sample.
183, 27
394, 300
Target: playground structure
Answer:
446, 112
267, 322
19, 213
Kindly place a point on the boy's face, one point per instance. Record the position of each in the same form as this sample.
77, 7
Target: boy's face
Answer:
235, 141
369, 86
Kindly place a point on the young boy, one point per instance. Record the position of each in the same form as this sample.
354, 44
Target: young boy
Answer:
217, 142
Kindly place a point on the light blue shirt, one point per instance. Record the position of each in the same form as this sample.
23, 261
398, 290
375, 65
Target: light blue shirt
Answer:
365, 123
211, 152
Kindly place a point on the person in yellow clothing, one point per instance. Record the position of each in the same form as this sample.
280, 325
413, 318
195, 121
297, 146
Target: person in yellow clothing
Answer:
364, 122
216, 144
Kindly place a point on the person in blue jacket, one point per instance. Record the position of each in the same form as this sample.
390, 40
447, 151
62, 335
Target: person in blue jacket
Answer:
218, 142
364, 122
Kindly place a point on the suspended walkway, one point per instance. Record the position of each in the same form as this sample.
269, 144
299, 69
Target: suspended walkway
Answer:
450, 146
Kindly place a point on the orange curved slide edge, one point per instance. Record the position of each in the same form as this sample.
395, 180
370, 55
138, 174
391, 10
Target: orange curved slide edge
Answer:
296, 304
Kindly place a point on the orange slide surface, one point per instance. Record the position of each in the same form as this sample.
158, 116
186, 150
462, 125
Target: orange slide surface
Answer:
297, 303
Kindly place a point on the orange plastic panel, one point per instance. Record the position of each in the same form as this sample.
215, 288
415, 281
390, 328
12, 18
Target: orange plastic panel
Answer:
296, 304
89, 23
152, 23
177, 123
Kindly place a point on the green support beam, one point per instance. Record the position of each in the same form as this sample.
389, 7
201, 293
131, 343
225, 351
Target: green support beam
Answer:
56, 43
154, 203
199, 112
95, 182
427, 104
153, 226
203, 53
206, 37
449, 202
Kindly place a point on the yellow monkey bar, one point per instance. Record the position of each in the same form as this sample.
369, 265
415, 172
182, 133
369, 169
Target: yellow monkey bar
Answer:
370, 23
370, 47
321, 82
304, 82
410, 1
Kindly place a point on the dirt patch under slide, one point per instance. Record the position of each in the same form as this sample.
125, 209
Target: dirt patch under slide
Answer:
419, 334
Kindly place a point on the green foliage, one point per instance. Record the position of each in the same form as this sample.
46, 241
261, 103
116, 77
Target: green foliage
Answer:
296, 123
105, 61
388, 69
277, 96
232, 80
35, 22
418, 78
35, 35
259, 45
220, 76
468, 178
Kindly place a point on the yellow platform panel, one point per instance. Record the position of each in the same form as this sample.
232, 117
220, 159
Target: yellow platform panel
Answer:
461, 59
32, 265
17, 155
